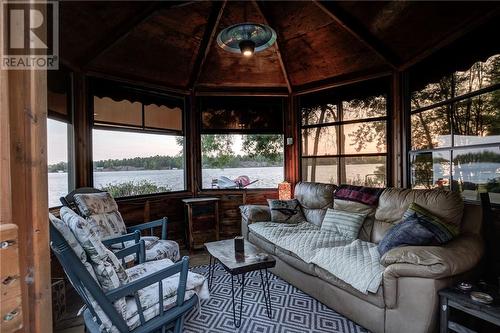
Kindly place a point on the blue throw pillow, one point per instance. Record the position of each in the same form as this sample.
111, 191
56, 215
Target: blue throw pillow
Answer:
410, 231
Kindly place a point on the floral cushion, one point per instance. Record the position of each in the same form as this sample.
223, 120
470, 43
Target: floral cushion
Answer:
102, 211
163, 249
95, 203
73, 243
196, 284
108, 269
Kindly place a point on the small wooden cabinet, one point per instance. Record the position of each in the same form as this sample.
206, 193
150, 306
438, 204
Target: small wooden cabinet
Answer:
202, 216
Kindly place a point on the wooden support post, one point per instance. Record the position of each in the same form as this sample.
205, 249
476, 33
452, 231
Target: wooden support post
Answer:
24, 195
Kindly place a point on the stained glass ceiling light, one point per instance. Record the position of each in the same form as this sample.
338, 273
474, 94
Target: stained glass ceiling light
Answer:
246, 38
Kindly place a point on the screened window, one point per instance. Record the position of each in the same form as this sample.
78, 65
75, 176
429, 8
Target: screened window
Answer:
242, 143
344, 136
59, 136
455, 132
138, 141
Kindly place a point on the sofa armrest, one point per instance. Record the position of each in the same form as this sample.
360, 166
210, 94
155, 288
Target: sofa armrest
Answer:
251, 214
431, 262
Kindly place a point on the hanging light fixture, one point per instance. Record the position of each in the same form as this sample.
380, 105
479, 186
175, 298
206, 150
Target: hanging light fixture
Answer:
246, 38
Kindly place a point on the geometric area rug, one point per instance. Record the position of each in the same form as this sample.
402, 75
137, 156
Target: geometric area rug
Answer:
293, 310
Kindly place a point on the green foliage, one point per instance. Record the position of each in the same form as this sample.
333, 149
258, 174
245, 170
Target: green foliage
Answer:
268, 146
261, 150
131, 188
147, 163
61, 166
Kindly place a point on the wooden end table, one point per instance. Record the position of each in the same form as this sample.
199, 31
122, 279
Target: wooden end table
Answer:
460, 300
202, 215
239, 264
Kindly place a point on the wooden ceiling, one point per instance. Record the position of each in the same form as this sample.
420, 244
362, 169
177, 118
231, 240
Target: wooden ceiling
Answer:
173, 44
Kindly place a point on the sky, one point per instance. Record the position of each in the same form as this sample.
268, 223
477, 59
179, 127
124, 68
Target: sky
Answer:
115, 144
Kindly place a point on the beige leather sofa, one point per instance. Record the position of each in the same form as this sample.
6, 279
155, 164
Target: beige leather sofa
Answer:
407, 300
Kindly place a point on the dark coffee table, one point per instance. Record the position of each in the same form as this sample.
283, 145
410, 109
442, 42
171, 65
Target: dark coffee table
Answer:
239, 264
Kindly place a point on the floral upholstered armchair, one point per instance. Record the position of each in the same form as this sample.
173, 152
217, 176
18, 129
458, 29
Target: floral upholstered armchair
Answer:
101, 210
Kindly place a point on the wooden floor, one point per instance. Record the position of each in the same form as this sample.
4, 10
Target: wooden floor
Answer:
71, 323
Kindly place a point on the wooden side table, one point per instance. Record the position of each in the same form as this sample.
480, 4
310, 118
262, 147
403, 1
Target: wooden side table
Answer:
202, 215
459, 300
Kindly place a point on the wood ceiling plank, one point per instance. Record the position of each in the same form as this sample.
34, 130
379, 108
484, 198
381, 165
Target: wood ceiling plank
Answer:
277, 47
358, 31
208, 37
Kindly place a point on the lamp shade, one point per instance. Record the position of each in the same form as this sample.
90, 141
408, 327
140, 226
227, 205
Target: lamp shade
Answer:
284, 190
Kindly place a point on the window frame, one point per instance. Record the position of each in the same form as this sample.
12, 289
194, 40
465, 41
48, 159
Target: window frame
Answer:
451, 102
70, 129
338, 100
109, 126
198, 120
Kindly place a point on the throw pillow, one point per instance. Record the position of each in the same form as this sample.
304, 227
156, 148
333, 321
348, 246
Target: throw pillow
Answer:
286, 211
365, 195
345, 224
408, 232
443, 232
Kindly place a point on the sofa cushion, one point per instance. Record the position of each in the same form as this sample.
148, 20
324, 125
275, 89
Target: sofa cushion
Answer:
315, 199
343, 223
285, 211
262, 243
394, 202
294, 261
376, 299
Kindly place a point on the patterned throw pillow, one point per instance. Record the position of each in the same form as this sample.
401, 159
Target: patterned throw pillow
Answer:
408, 232
286, 211
345, 224
443, 232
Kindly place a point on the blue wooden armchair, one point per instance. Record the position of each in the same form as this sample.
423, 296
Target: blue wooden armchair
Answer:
113, 228
99, 301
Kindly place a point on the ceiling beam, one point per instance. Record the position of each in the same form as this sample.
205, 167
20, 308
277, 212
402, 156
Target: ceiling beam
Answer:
343, 18
278, 45
123, 30
206, 42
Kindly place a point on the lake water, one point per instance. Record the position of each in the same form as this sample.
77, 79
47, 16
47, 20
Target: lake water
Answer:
268, 177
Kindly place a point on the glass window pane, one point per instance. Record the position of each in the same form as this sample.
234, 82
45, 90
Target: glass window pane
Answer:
327, 113
432, 93
369, 107
121, 112
477, 120
431, 129
163, 117
57, 159
365, 171
367, 137
245, 160
128, 163
477, 170
430, 170
319, 141
321, 170
478, 76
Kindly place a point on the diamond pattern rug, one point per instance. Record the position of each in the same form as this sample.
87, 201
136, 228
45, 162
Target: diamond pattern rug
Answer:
293, 310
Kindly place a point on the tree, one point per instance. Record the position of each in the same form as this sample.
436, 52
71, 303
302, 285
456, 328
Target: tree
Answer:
268, 146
